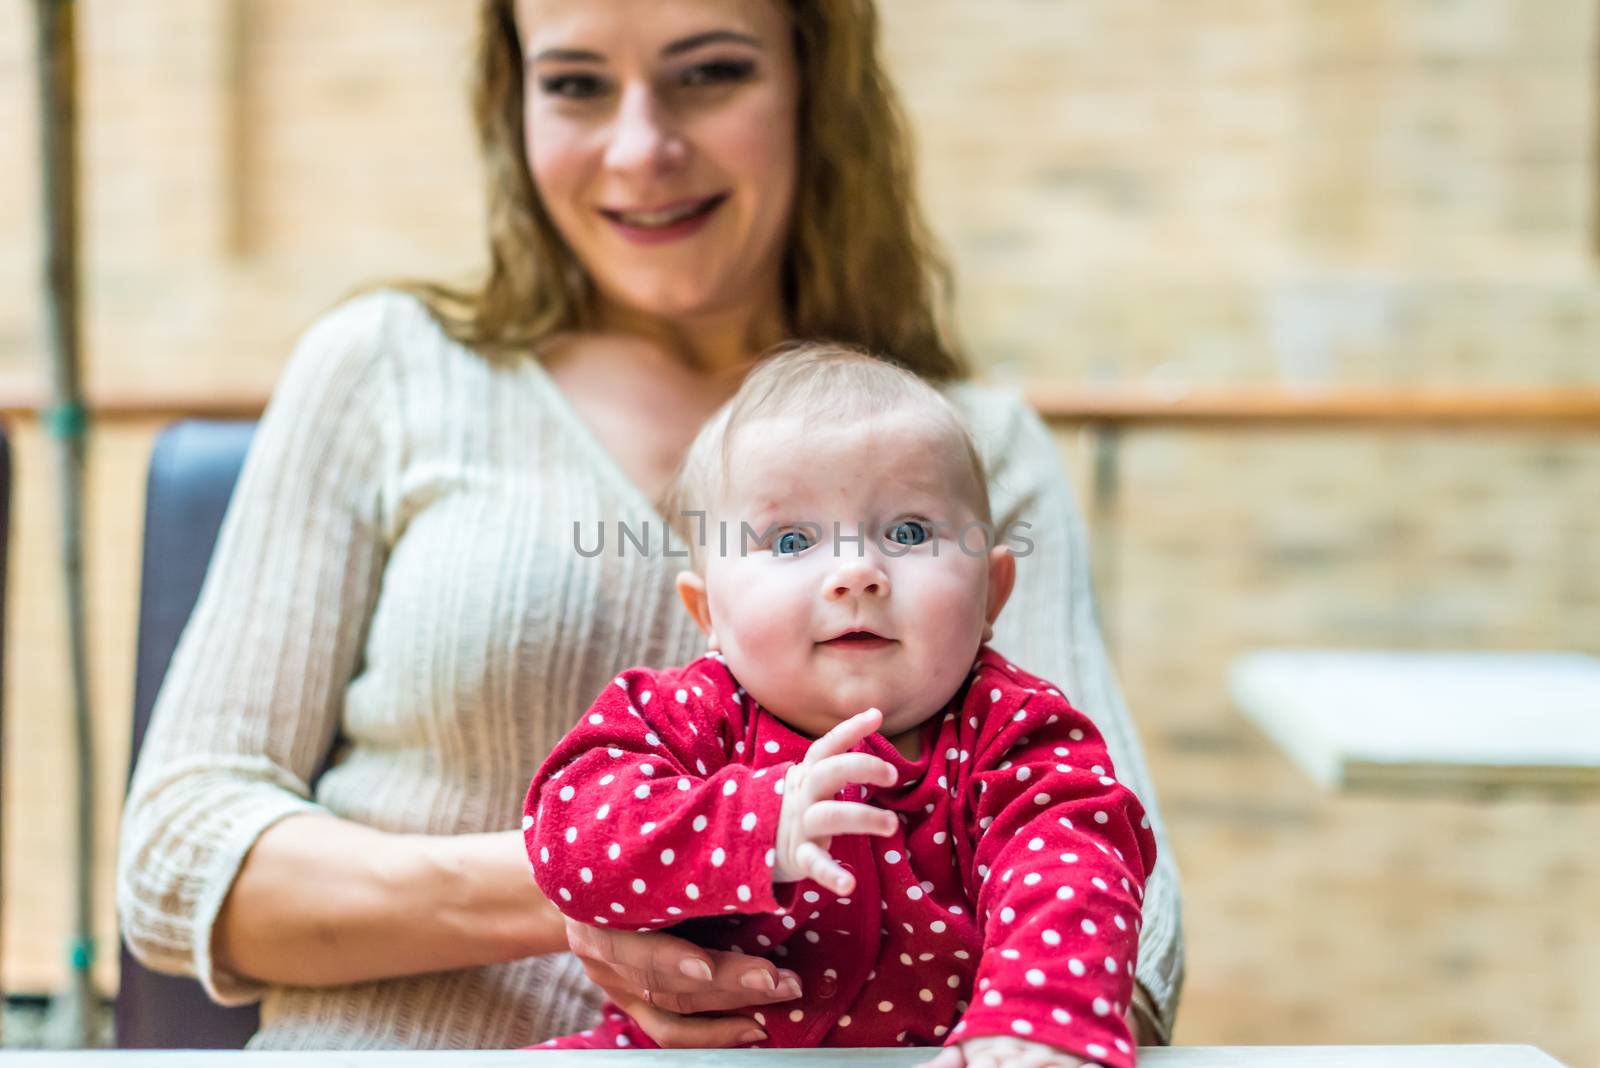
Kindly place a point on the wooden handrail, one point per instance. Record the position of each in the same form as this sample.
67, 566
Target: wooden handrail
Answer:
1144, 407
141, 407
1278, 408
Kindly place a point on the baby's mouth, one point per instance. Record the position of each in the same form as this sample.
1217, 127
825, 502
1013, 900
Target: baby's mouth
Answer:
858, 639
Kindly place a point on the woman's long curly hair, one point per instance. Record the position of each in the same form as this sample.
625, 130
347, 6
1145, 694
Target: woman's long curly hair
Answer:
861, 266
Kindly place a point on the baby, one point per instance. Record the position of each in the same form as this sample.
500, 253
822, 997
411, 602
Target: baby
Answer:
955, 865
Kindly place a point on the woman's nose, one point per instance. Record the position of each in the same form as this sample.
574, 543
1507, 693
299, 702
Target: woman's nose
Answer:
643, 140
857, 577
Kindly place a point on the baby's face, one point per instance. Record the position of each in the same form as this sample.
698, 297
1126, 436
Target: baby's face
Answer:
778, 618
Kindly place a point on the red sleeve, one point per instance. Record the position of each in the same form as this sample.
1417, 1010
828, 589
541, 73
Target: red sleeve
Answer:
1063, 850
639, 819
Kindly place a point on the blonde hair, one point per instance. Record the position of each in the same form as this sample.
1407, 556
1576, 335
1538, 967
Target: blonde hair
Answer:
821, 383
860, 263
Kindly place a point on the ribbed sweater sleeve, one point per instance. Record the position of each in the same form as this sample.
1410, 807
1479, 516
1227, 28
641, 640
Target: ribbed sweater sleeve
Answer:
1050, 626
253, 696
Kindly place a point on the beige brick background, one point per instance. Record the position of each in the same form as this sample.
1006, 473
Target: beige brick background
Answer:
1145, 192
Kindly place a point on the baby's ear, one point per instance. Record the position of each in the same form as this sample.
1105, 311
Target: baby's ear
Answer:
692, 592
1002, 579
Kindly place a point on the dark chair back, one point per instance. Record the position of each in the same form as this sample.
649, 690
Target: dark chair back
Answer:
192, 473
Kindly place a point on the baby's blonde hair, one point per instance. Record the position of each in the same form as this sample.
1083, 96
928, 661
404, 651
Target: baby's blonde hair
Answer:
820, 383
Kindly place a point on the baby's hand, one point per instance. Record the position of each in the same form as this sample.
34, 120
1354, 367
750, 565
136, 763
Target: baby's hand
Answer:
1001, 1051
810, 818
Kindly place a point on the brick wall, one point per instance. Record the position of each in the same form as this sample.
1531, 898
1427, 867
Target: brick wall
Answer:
1168, 192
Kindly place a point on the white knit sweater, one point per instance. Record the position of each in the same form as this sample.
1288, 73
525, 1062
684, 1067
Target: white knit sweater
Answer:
397, 567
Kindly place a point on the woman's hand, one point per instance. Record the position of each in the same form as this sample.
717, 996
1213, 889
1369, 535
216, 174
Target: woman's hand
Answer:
661, 981
1000, 1051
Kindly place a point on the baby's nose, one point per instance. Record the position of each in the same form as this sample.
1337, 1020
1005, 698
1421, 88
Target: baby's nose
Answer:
858, 577
863, 587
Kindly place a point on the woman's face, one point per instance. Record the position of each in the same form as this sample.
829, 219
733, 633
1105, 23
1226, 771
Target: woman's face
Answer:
661, 137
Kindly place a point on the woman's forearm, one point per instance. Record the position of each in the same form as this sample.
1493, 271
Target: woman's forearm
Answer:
322, 901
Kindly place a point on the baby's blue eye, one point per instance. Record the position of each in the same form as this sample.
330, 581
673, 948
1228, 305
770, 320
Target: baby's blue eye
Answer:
785, 545
909, 532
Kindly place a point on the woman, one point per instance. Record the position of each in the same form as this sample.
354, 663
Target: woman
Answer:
673, 187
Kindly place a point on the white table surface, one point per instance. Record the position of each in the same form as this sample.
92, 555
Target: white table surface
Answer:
1410, 721
1178, 1057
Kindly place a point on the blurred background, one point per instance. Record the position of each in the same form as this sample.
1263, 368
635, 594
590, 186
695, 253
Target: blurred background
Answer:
1153, 197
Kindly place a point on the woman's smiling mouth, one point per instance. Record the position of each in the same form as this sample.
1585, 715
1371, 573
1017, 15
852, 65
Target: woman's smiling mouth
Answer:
669, 222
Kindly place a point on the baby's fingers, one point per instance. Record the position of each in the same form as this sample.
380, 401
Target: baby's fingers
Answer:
837, 772
829, 819
844, 736
1007, 1052
949, 1057
823, 869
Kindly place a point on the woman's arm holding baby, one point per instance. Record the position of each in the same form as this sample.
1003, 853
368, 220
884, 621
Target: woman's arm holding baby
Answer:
322, 901
460, 900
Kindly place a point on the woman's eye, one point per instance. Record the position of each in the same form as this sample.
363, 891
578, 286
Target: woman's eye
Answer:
909, 532
791, 541
572, 86
717, 72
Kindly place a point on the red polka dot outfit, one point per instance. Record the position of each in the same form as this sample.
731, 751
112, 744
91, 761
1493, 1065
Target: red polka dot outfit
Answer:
1007, 903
